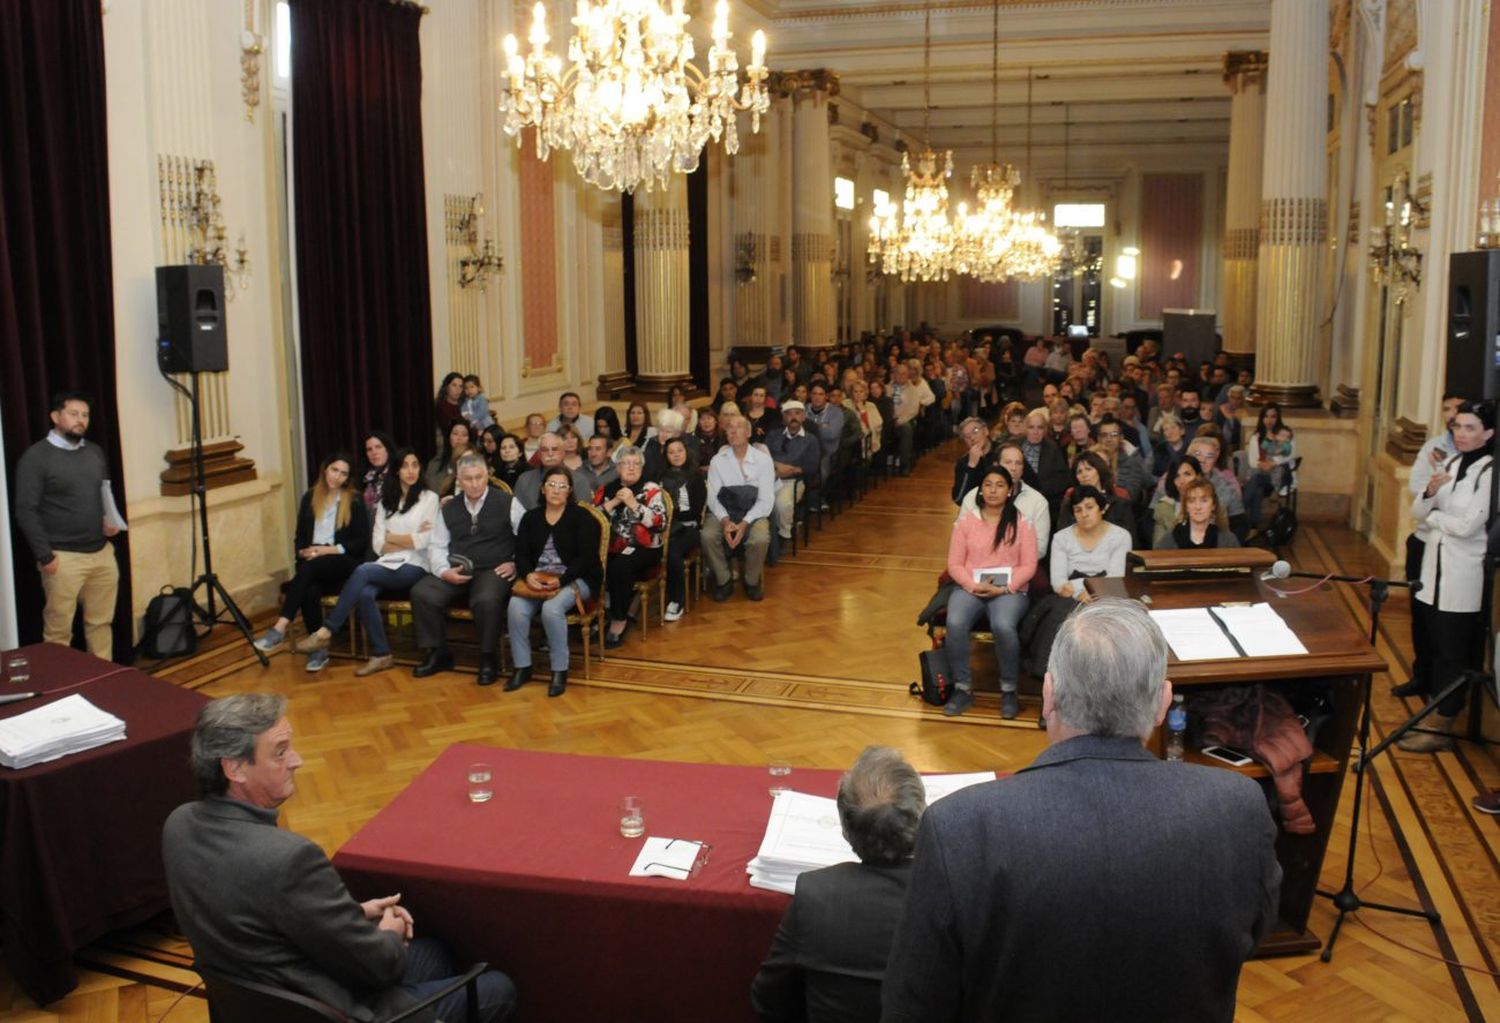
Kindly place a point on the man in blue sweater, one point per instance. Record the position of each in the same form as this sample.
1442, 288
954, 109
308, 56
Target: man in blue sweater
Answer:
60, 488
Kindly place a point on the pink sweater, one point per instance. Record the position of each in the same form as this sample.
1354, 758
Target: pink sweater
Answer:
973, 547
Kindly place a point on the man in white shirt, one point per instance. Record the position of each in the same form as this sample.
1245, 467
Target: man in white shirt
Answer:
741, 494
570, 411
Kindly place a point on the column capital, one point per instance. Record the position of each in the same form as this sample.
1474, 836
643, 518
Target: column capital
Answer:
791, 83
1244, 68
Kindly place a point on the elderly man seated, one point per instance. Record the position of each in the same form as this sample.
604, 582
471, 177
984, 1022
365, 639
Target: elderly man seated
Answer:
797, 457
828, 957
528, 488
741, 494
261, 903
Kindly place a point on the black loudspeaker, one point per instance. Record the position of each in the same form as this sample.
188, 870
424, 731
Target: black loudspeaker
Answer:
1474, 325
190, 319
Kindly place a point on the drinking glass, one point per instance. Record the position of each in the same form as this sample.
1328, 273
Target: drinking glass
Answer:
481, 785
632, 817
779, 770
17, 669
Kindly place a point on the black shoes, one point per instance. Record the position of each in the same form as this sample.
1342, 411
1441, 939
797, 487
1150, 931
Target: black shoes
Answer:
756, 592
723, 593
613, 641
1411, 687
559, 683
488, 670
436, 660
1010, 704
518, 678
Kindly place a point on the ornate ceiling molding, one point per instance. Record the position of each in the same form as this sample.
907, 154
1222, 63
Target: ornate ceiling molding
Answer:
789, 83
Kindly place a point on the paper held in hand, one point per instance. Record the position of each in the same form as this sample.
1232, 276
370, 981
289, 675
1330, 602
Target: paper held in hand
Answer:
997, 576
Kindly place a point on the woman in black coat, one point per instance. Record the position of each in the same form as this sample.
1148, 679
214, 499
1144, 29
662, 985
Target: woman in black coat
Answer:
333, 531
557, 553
689, 493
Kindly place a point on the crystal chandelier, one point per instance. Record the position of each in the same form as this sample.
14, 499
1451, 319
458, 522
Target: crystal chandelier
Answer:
630, 106
983, 238
1034, 250
917, 240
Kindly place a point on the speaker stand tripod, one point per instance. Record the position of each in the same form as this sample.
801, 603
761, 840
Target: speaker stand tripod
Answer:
209, 612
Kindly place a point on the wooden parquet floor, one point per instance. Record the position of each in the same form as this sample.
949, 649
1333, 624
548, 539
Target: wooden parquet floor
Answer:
812, 675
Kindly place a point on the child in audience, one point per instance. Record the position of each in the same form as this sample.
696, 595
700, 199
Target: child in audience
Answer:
476, 407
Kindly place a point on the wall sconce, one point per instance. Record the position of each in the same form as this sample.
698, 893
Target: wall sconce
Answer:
482, 262
745, 250
1395, 262
1125, 266
209, 241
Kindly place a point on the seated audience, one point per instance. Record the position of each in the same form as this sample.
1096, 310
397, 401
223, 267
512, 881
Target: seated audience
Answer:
637, 520
599, 464
333, 531
536, 425
1091, 470
1268, 454
969, 467
995, 537
728, 391
797, 457
572, 459
709, 436
741, 495
829, 953
509, 460
449, 405
668, 425
1080, 434
557, 555
1048, 464
761, 416
1171, 445
378, 447
403, 526
261, 903
1091, 546
1205, 450
825, 419
443, 467
1131, 471
906, 402
1004, 872
570, 413
867, 413
1168, 510
607, 425
689, 493
528, 488
1195, 527
472, 552
638, 428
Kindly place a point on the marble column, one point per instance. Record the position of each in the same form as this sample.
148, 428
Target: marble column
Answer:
1245, 74
661, 288
1293, 210
615, 380
812, 217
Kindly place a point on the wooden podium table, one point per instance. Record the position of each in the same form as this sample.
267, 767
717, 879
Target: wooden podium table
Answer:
1339, 662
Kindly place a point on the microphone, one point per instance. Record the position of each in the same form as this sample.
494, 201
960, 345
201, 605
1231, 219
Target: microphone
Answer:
1283, 570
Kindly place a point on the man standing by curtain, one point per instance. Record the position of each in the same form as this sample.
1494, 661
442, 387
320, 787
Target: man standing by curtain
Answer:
61, 483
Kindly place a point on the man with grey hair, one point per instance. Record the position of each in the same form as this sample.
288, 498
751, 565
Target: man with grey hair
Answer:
472, 551
263, 904
829, 954
1100, 882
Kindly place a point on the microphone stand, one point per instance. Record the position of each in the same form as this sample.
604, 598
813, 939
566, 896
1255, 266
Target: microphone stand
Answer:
1346, 900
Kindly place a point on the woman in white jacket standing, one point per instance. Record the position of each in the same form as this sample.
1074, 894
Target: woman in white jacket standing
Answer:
403, 524
1455, 507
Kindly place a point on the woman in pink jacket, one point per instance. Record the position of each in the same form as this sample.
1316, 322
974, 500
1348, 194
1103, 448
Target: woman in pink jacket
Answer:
991, 558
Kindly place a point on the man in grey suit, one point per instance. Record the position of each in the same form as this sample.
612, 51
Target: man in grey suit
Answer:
828, 957
263, 904
1100, 882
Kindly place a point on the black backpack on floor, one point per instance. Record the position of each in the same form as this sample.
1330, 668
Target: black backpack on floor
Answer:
168, 627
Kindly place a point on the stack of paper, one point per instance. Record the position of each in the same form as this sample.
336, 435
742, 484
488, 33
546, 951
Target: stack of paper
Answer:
804, 833
69, 725
1260, 631
1194, 635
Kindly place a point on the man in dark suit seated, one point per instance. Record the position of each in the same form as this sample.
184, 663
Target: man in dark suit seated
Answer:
1098, 883
262, 904
829, 954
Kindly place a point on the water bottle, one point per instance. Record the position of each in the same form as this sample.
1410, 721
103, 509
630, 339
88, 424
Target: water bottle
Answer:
1176, 729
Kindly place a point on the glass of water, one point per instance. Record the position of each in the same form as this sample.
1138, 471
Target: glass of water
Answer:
481, 785
632, 817
780, 771
17, 669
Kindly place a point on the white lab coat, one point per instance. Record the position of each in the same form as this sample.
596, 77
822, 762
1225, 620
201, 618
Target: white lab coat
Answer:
1455, 517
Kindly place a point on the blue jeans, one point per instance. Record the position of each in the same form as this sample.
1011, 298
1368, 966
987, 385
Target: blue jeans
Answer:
429, 967
1005, 614
554, 623
367, 583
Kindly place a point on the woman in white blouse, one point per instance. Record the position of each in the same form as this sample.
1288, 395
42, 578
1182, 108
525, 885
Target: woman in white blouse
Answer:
1455, 508
403, 523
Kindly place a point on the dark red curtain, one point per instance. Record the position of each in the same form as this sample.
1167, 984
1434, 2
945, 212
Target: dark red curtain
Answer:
363, 301
57, 325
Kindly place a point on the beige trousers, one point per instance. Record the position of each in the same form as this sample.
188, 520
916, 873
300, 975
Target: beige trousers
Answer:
92, 578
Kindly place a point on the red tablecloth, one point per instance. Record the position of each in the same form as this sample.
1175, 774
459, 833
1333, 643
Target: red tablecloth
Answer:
80, 837
537, 883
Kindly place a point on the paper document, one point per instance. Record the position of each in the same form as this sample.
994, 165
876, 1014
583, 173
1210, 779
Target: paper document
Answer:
112, 514
940, 785
667, 857
1260, 631
997, 576
803, 833
53, 730
1194, 635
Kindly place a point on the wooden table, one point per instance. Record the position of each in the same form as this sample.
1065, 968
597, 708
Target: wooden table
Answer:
1339, 661
80, 837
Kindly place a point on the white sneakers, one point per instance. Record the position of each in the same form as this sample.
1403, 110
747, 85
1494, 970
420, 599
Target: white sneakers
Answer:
673, 612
